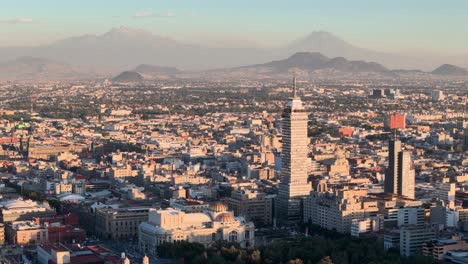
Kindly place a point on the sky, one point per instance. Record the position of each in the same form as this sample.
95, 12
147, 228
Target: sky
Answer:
433, 26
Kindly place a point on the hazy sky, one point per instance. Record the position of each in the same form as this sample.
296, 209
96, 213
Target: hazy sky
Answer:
385, 25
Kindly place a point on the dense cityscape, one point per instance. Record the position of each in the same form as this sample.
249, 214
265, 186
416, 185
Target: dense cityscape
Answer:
231, 132
105, 172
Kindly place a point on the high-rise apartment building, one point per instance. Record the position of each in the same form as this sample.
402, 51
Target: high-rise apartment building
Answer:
293, 180
400, 176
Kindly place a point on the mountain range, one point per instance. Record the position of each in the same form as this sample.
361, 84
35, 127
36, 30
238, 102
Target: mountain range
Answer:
31, 68
156, 57
124, 48
306, 64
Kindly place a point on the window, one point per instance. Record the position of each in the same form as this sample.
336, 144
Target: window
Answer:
233, 236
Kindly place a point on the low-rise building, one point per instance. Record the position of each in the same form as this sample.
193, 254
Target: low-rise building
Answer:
253, 205
120, 223
26, 233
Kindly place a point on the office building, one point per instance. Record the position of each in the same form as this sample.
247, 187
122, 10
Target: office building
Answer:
412, 239
293, 180
400, 174
120, 223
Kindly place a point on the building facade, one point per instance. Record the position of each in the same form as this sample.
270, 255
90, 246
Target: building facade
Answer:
400, 174
412, 238
336, 210
293, 180
253, 205
170, 225
120, 223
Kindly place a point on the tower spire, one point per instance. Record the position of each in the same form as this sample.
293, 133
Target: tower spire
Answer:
294, 85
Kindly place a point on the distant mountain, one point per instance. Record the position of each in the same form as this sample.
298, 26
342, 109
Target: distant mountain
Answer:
306, 64
153, 71
124, 48
128, 76
450, 70
31, 68
311, 61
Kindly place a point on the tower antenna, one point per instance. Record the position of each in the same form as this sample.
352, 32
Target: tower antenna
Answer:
294, 85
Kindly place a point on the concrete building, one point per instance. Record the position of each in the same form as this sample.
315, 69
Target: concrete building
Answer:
412, 239
437, 95
400, 174
189, 205
439, 247
336, 210
26, 233
365, 225
2, 234
411, 216
170, 225
293, 180
253, 205
120, 223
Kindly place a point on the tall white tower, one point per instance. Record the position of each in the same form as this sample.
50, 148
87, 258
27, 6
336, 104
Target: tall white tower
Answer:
293, 181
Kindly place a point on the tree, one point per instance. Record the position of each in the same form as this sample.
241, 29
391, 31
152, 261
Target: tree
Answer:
326, 260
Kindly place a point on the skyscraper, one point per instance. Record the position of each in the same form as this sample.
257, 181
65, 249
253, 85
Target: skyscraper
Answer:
293, 181
400, 175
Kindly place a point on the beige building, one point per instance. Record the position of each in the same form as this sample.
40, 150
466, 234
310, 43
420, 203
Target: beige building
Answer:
2, 234
19, 209
46, 152
335, 210
62, 187
254, 206
338, 166
120, 223
438, 248
26, 233
170, 225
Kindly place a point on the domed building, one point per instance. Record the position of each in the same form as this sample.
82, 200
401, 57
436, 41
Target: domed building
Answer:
217, 207
172, 225
338, 166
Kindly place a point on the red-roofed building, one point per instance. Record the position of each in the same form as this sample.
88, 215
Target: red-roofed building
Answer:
346, 131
